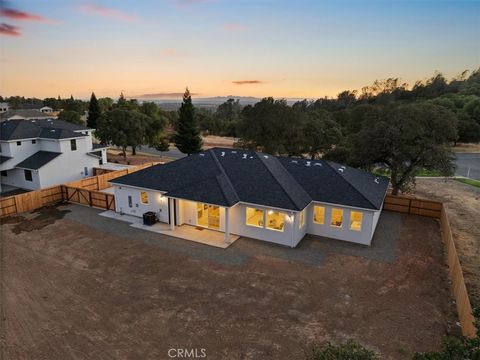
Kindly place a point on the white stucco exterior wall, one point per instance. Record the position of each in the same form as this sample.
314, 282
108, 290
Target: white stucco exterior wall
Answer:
238, 226
156, 202
344, 233
16, 177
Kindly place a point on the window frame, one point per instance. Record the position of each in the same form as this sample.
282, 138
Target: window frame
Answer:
361, 220
301, 220
30, 175
267, 225
73, 144
19, 143
34, 141
146, 196
331, 218
323, 215
255, 209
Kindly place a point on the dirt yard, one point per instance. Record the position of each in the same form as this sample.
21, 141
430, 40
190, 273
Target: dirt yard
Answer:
139, 159
463, 204
71, 291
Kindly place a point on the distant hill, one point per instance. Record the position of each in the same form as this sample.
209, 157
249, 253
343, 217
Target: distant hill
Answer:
205, 102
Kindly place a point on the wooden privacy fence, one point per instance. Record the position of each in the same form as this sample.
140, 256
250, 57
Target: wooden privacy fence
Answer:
89, 197
413, 206
87, 193
437, 210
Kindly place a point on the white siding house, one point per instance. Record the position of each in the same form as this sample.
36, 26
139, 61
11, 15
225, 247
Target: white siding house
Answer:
259, 196
45, 152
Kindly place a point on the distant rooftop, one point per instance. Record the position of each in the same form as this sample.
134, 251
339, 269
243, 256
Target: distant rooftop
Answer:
40, 128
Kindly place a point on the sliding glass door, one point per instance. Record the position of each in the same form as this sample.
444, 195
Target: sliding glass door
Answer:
208, 216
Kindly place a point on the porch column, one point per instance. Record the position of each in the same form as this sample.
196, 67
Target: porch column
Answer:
171, 210
227, 225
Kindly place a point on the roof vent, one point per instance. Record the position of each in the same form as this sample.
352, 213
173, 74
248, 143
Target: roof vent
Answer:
251, 157
341, 170
265, 156
244, 156
201, 154
308, 163
223, 153
343, 167
234, 152
317, 164
53, 130
295, 161
376, 180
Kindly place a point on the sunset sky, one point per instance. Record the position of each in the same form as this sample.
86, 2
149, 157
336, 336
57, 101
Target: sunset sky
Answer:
291, 49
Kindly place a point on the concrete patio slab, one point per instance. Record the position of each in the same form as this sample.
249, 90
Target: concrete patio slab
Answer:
186, 232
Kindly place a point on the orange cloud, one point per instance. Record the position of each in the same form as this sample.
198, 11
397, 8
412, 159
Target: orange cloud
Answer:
247, 82
93, 9
9, 30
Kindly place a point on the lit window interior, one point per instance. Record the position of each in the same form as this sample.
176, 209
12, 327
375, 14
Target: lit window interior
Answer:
337, 217
144, 197
254, 217
208, 216
356, 220
319, 214
275, 220
302, 219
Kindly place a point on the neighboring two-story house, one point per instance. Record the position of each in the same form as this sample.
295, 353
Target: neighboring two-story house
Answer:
45, 152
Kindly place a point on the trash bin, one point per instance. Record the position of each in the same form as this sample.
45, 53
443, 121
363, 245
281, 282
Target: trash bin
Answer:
149, 218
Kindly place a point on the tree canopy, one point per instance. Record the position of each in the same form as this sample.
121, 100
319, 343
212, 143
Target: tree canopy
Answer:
94, 112
187, 135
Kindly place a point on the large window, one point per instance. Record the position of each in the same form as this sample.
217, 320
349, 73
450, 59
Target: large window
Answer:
73, 144
144, 197
319, 214
28, 175
254, 217
337, 217
301, 223
275, 220
356, 220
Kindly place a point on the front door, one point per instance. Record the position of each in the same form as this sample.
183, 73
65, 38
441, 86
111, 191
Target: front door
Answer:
208, 216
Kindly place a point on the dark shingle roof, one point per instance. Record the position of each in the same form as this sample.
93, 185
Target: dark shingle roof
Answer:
226, 176
25, 113
43, 128
99, 146
37, 160
4, 158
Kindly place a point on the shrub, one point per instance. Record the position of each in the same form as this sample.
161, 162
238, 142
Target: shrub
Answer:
349, 350
456, 348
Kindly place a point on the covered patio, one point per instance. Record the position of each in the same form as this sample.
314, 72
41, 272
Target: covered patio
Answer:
186, 232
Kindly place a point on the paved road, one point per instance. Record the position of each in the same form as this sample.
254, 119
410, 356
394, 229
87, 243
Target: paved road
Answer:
466, 161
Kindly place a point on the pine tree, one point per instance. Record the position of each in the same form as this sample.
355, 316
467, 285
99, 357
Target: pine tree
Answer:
187, 137
94, 112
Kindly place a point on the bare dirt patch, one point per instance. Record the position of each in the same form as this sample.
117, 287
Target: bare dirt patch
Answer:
72, 291
116, 156
467, 148
463, 205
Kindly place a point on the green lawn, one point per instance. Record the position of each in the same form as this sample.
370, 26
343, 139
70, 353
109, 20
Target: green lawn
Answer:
472, 182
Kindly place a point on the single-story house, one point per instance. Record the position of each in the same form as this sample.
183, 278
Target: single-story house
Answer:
256, 195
